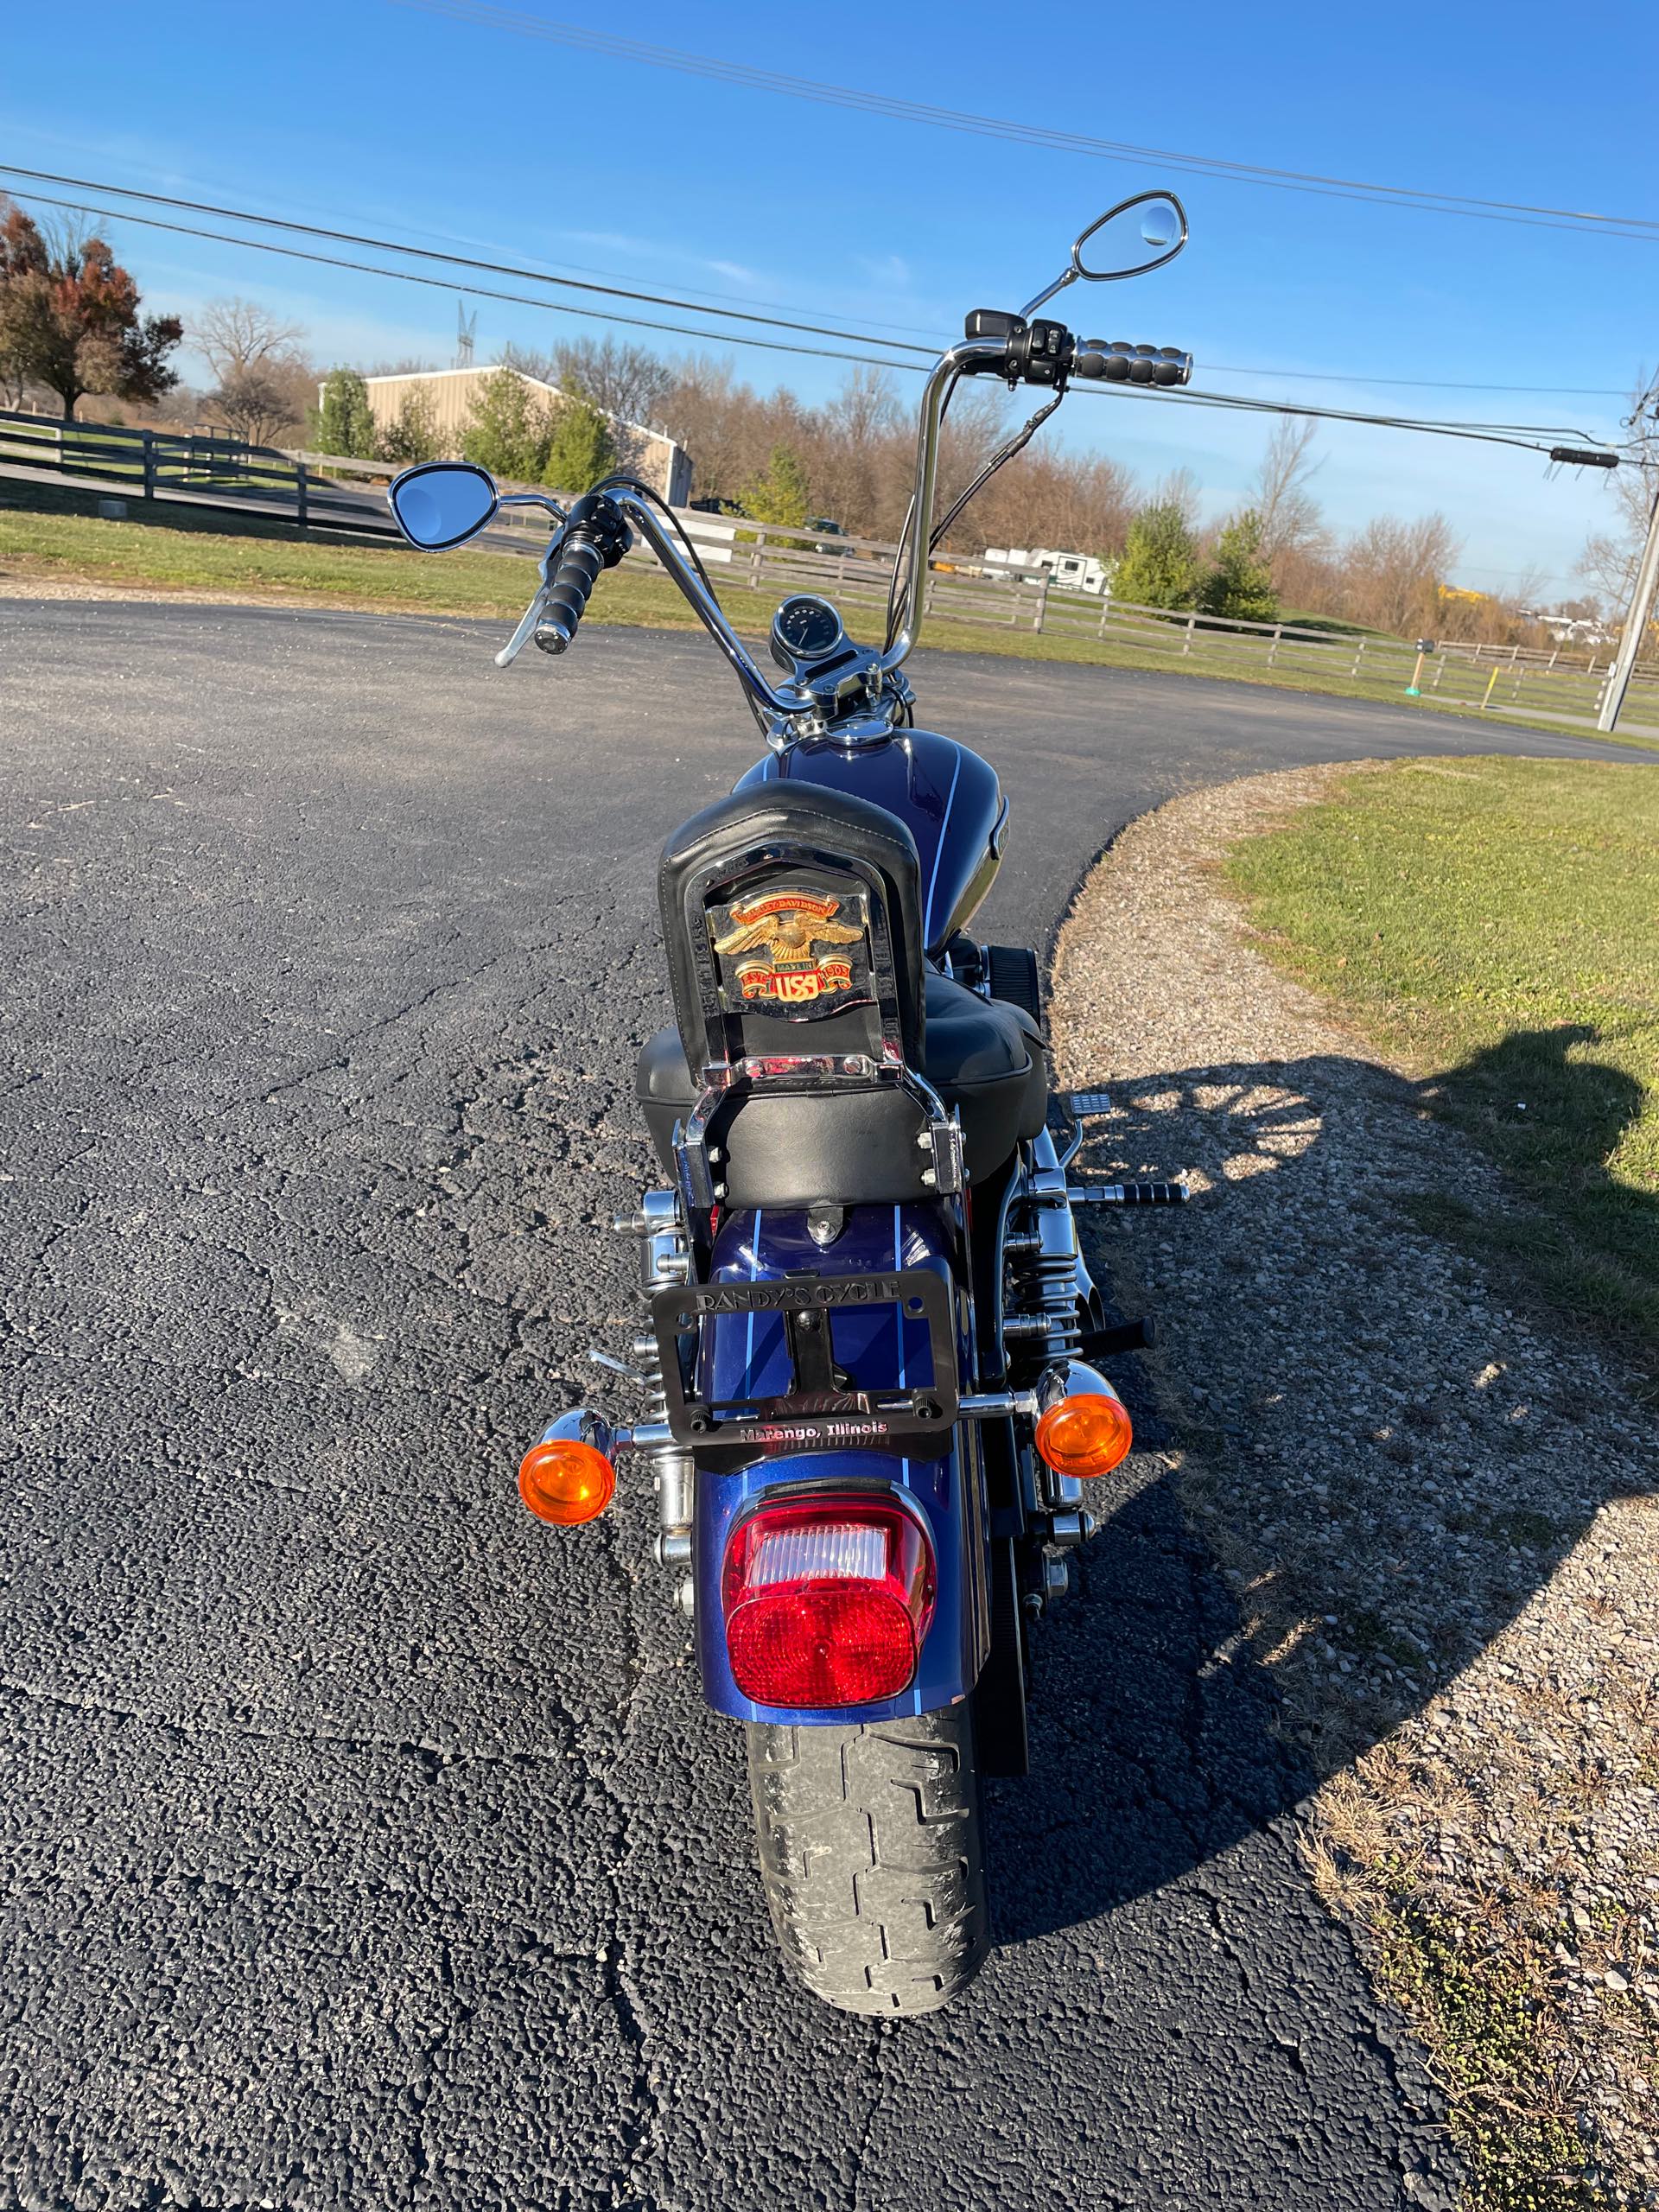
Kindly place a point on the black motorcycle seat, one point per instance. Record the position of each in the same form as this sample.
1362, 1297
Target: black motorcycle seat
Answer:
982, 1056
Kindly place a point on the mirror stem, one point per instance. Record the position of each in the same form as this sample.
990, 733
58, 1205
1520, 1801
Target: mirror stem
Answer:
533, 500
1066, 277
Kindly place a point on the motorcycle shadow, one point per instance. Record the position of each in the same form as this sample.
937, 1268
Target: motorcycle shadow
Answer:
1384, 1452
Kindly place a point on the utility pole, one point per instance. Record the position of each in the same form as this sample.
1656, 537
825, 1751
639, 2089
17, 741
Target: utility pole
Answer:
1635, 625
1642, 451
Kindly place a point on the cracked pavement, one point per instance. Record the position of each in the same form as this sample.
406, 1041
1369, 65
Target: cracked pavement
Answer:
365, 1843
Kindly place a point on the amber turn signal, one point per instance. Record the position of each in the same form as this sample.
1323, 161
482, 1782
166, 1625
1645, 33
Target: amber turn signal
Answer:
566, 1482
1087, 1434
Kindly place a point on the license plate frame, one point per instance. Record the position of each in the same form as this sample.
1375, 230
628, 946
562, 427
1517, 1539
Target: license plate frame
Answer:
814, 1414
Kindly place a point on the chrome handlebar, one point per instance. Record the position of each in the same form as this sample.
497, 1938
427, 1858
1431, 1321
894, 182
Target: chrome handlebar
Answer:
860, 693
792, 710
959, 356
788, 703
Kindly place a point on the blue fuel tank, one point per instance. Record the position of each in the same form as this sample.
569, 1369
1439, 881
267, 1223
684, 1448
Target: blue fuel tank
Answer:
947, 797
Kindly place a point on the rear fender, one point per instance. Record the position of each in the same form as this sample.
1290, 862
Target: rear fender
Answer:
947, 1488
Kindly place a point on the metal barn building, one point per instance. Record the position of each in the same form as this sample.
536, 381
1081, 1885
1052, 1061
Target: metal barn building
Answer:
664, 464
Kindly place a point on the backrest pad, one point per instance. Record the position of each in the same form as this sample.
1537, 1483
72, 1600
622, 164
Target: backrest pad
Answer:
792, 923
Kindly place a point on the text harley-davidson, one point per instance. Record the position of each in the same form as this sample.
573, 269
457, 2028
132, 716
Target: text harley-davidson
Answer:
870, 1426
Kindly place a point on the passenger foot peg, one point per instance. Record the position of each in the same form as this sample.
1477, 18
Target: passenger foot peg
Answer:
1127, 1336
1129, 1194
1081, 1105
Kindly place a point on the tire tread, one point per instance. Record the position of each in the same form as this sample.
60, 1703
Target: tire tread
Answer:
871, 1859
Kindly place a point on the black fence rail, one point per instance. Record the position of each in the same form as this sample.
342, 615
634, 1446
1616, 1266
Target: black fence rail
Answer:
205, 469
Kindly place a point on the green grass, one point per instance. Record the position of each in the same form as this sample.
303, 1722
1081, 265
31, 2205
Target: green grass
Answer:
53, 533
1494, 924
1477, 1994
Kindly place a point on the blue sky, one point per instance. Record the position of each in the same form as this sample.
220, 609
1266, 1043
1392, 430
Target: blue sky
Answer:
364, 113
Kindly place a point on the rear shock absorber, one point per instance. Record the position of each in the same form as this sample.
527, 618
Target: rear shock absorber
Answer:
664, 1258
1044, 1315
1041, 1321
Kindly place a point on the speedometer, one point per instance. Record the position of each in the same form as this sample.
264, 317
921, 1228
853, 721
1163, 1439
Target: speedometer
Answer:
806, 628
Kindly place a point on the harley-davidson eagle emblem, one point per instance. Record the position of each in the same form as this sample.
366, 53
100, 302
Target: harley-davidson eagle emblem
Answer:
785, 928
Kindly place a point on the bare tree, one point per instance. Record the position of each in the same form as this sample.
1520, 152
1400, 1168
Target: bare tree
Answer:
627, 382
265, 382
1292, 523
866, 410
1179, 489
1392, 571
975, 426
254, 403
264, 402
237, 336
847, 453
729, 428
1082, 503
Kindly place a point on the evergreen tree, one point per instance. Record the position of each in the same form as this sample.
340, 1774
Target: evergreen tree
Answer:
1240, 581
781, 496
345, 420
582, 450
414, 435
509, 429
1160, 566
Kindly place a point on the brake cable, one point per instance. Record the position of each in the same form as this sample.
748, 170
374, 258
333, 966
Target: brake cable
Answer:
898, 602
1014, 445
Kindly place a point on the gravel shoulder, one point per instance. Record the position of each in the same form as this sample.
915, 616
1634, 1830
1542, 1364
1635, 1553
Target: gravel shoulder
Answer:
1438, 1516
34, 587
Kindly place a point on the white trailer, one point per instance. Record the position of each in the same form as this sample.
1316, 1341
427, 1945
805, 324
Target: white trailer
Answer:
1067, 571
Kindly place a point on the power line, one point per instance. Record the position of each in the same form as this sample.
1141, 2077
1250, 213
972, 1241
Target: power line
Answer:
549, 268
1421, 383
693, 306
1528, 436
450, 260
1496, 434
473, 292
1424, 199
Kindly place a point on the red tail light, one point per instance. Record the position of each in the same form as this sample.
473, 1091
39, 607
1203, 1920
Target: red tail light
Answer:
827, 1600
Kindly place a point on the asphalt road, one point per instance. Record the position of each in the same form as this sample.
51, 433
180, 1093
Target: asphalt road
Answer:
365, 1843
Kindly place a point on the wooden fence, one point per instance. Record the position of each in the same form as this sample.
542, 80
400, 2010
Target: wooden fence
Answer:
211, 470
760, 557
336, 492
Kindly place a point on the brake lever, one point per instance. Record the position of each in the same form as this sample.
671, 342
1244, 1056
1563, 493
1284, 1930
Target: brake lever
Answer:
522, 636
530, 621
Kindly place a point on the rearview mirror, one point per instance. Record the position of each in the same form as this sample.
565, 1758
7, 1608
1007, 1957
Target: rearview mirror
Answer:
441, 502
1136, 236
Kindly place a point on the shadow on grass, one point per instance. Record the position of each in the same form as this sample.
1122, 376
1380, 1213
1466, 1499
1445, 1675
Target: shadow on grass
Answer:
1587, 1242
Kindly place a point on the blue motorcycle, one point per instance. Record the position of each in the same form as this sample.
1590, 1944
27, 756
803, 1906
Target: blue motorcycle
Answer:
871, 1423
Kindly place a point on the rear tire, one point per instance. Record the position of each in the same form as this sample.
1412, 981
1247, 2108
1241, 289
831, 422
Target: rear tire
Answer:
873, 1859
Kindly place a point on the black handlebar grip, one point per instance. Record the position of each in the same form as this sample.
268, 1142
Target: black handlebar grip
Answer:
580, 559
1119, 362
